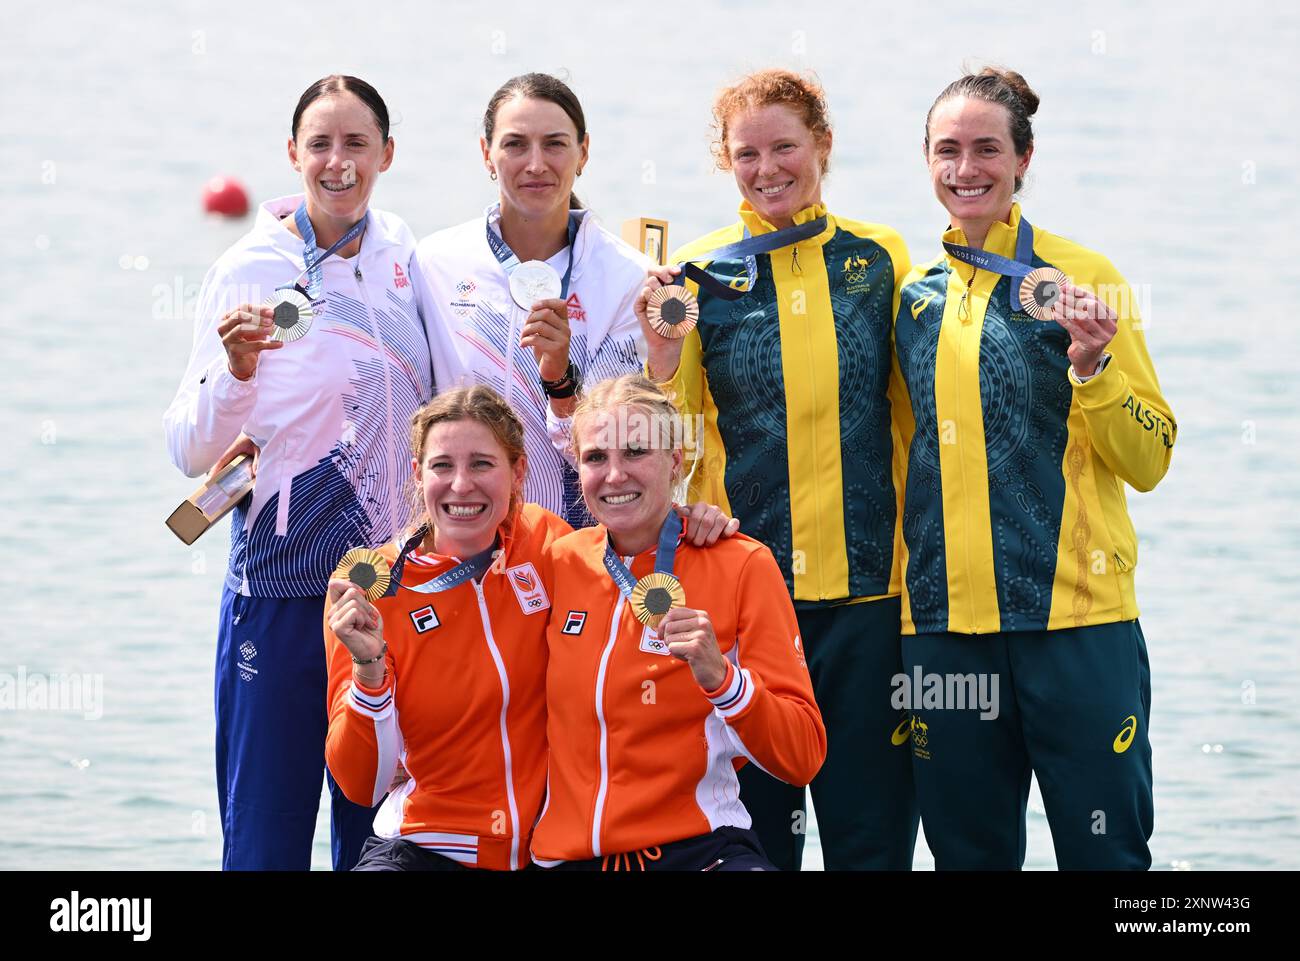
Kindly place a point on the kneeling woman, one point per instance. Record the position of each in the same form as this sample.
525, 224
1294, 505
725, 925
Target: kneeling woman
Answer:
645, 724
456, 653
446, 673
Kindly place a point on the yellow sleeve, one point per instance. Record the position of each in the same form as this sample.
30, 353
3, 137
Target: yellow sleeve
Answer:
1129, 422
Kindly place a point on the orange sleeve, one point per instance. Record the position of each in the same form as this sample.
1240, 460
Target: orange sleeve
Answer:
363, 743
767, 697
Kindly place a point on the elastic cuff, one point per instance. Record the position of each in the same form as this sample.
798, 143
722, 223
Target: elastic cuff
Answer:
374, 703
1077, 378
225, 386
1101, 389
735, 693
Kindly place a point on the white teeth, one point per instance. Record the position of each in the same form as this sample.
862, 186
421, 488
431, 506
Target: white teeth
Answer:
620, 498
456, 510
335, 187
970, 191
772, 190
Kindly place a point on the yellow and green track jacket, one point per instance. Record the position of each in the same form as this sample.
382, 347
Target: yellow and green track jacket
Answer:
1015, 516
792, 383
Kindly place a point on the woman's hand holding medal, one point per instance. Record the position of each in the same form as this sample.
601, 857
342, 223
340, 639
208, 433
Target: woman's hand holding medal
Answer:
245, 332
546, 331
690, 638
664, 353
1090, 323
359, 626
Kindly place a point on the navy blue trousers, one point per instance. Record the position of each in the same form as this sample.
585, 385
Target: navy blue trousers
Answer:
1073, 707
866, 806
271, 724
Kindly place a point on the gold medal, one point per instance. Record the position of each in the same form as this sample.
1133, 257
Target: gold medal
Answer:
293, 314
654, 596
366, 569
672, 311
1040, 290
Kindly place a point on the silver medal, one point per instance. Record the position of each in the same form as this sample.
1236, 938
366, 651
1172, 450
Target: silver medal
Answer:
293, 314
532, 281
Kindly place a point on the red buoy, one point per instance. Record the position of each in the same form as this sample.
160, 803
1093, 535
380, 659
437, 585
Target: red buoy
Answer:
225, 196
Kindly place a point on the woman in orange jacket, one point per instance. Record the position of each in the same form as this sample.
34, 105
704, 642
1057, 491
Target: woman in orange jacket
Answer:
654, 704
437, 687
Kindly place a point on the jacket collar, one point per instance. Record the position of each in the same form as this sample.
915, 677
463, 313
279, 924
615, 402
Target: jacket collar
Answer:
580, 241
757, 225
271, 228
1001, 237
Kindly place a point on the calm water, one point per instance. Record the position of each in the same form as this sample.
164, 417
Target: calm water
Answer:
1166, 139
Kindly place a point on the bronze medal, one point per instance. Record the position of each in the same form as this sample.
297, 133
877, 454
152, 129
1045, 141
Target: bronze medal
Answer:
1040, 290
672, 311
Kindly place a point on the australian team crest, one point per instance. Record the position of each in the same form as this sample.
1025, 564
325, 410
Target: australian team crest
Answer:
855, 273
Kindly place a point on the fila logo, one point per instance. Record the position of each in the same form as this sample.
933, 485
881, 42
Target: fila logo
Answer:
529, 589
399, 278
652, 643
425, 619
574, 623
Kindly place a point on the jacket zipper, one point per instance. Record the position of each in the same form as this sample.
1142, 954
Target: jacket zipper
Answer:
505, 733
963, 308
797, 271
602, 788
388, 386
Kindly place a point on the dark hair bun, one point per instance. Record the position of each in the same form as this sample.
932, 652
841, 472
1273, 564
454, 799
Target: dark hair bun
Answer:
1018, 86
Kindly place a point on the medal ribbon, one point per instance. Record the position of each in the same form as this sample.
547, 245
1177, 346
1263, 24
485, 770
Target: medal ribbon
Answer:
474, 567
668, 534
999, 264
509, 260
749, 248
315, 277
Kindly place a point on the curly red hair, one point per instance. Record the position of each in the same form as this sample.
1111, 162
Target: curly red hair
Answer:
764, 88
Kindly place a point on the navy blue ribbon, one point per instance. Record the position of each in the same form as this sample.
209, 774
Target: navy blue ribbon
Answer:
474, 567
749, 248
315, 276
668, 534
509, 260
998, 264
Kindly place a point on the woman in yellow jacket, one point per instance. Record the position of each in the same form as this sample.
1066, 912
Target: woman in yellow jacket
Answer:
1033, 402
790, 370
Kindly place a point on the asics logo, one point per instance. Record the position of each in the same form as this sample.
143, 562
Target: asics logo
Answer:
901, 733
1124, 738
919, 305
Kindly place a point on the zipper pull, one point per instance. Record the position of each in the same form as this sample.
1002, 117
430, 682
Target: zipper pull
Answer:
357, 271
794, 255
963, 308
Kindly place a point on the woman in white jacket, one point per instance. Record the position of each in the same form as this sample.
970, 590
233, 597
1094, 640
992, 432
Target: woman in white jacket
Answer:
330, 411
537, 354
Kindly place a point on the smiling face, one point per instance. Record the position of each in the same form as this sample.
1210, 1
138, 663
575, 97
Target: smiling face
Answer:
626, 472
467, 481
340, 153
536, 154
973, 162
777, 161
